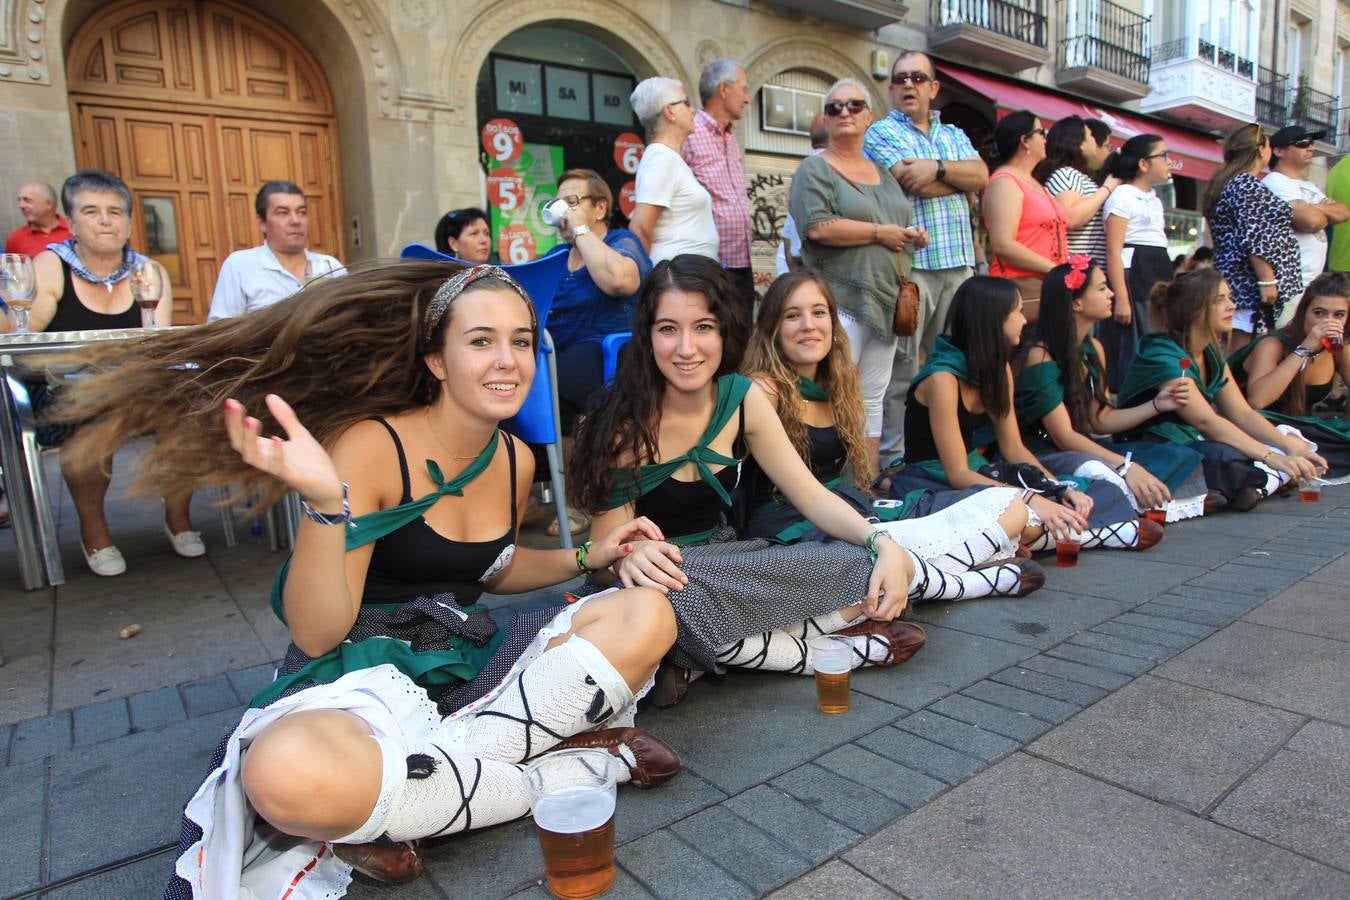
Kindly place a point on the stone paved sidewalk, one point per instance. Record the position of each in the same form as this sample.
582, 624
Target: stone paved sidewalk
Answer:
1174, 723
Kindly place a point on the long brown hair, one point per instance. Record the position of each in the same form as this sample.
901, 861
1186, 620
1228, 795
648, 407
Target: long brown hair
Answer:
1294, 400
1241, 149
836, 375
624, 419
340, 351
1177, 303
1056, 331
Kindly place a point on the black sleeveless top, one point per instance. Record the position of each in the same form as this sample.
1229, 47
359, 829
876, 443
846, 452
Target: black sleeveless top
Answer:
416, 561
825, 458
692, 507
919, 443
72, 315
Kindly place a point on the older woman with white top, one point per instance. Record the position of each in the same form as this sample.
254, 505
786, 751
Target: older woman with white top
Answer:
674, 212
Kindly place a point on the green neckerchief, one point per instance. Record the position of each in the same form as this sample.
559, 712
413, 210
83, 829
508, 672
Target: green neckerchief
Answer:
373, 526
810, 390
1038, 389
730, 392
946, 357
1156, 361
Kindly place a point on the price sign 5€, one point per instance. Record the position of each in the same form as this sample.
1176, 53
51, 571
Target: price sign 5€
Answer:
506, 189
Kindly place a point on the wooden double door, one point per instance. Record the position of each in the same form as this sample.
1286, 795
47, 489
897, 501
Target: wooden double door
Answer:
222, 101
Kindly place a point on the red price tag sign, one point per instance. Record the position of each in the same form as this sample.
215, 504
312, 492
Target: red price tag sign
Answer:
505, 189
516, 244
628, 149
628, 198
502, 140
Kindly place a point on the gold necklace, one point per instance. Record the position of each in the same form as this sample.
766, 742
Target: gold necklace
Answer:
448, 451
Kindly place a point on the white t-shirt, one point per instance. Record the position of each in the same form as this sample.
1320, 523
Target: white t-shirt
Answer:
1142, 212
791, 243
665, 179
1312, 246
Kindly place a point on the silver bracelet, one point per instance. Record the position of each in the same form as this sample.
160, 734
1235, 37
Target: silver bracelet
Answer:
344, 518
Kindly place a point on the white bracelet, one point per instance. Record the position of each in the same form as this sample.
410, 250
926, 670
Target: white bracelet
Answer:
1125, 466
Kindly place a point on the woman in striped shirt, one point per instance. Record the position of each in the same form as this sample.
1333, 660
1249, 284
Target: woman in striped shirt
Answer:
1072, 154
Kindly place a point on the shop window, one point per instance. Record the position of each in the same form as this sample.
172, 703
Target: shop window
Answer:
788, 110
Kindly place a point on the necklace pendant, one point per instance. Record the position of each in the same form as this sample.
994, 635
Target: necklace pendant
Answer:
108, 285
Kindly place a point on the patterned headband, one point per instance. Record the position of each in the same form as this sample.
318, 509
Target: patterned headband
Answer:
456, 285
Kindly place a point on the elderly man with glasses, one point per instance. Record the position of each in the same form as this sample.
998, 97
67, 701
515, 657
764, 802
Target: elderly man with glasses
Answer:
937, 166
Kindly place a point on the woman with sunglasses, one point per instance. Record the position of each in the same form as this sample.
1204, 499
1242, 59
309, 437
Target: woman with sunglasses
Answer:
1028, 228
1254, 245
1136, 246
674, 212
855, 221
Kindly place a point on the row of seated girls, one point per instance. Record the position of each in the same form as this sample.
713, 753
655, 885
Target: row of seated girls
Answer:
735, 517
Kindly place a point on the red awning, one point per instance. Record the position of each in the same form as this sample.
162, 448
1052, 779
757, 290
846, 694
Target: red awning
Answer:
1192, 154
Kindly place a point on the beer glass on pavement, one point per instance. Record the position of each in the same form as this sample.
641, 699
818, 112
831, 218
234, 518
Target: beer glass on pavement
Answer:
572, 795
832, 659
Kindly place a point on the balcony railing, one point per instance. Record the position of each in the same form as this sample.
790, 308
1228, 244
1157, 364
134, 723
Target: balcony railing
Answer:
1314, 110
1024, 21
1272, 97
1188, 48
1107, 36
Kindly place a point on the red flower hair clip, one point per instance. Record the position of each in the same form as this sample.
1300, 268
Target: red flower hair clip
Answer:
1076, 277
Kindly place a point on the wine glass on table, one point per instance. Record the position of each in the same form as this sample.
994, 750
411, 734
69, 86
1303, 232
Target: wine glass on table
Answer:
18, 286
147, 286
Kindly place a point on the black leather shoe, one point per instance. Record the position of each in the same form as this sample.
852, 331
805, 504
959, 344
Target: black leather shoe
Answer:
1246, 499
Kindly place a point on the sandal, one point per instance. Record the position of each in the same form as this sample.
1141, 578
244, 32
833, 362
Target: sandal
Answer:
577, 522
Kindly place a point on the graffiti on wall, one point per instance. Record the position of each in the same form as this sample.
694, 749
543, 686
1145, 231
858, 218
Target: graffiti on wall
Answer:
767, 189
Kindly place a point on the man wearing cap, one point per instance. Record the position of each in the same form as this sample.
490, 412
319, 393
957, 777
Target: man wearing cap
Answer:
1291, 150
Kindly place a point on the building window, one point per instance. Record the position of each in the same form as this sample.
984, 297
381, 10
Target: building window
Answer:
788, 110
779, 121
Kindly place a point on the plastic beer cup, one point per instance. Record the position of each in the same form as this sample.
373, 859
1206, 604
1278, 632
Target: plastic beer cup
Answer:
572, 797
1309, 490
1157, 514
832, 659
1066, 549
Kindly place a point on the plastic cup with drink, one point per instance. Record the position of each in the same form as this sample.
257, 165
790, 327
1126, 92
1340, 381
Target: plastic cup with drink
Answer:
1066, 549
1157, 514
832, 659
572, 794
1310, 489
1333, 343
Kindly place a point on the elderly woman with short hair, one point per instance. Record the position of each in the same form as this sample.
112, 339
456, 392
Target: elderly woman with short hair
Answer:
674, 212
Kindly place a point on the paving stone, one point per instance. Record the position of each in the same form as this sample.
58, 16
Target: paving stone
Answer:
25, 644
903, 785
922, 755
1130, 631
207, 696
248, 682
1217, 599
6, 733
96, 785
101, 721
1047, 709
1096, 640
1073, 692
644, 811
1106, 679
1011, 723
1300, 797
1246, 524
961, 736
1147, 620
746, 728
142, 878
669, 868
1175, 743
860, 807
1185, 609
1028, 828
23, 810
1335, 572
37, 738
949, 661
1101, 659
758, 859
1256, 582
424, 888
1190, 546
1301, 562
155, 708
1041, 619
789, 820
1310, 607
833, 880
491, 862
1119, 576
1299, 672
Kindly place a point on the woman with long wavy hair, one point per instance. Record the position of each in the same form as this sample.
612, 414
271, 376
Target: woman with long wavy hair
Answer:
403, 706
1245, 457
1061, 399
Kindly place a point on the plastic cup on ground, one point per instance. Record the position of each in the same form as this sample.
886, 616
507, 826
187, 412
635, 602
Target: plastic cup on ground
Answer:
1066, 550
572, 798
1157, 514
832, 659
1309, 490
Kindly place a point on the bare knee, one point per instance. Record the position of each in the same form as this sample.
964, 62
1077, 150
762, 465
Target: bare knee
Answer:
650, 618
1014, 518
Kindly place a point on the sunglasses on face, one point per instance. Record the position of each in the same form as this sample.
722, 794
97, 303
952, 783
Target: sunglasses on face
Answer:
917, 78
1303, 144
836, 107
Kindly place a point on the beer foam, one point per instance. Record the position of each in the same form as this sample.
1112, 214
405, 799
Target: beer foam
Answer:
571, 810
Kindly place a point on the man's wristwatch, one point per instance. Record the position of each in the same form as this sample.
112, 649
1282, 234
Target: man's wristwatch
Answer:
942, 171
579, 230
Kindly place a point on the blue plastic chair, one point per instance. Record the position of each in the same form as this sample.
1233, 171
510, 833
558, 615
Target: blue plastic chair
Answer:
538, 421
609, 352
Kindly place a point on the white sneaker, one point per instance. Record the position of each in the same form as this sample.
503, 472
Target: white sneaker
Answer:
106, 562
186, 543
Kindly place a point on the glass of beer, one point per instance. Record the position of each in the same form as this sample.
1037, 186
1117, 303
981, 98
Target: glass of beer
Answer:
147, 287
572, 794
832, 659
1066, 549
1309, 490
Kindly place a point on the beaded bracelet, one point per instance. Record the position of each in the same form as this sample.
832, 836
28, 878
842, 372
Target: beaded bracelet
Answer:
872, 541
582, 565
344, 518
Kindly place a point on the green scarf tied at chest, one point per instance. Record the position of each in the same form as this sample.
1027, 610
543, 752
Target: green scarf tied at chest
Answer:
1039, 388
1157, 360
810, 391
625, 488
947, 357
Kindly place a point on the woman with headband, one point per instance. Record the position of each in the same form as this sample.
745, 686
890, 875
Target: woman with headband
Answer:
404, 706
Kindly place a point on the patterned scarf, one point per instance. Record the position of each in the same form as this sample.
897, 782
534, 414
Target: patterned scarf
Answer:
130, 260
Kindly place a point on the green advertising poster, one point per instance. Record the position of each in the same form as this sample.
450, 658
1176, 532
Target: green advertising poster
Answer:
516, 192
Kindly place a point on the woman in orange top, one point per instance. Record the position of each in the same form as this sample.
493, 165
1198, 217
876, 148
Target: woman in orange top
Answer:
1028, 228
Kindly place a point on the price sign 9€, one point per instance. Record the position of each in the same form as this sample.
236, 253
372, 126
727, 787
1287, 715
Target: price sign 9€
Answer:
502, 140
505, 189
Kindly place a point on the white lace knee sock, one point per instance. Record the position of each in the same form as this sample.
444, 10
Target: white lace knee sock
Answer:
931, 583
781, 651
987, 544
1119, 536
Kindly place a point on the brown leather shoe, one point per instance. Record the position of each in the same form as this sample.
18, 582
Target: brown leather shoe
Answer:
1149, 533
672, 683
387, 862
904, 638
1246, 499
1214, 501
1031, 576
657, 761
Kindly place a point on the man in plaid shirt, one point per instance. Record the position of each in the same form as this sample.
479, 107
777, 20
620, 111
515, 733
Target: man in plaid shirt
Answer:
937, 166
715, 158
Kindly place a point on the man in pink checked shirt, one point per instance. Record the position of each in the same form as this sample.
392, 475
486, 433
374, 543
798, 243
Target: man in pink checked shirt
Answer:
715, 158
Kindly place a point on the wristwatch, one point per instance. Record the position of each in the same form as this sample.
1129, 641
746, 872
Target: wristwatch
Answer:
942, 171
579, 230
